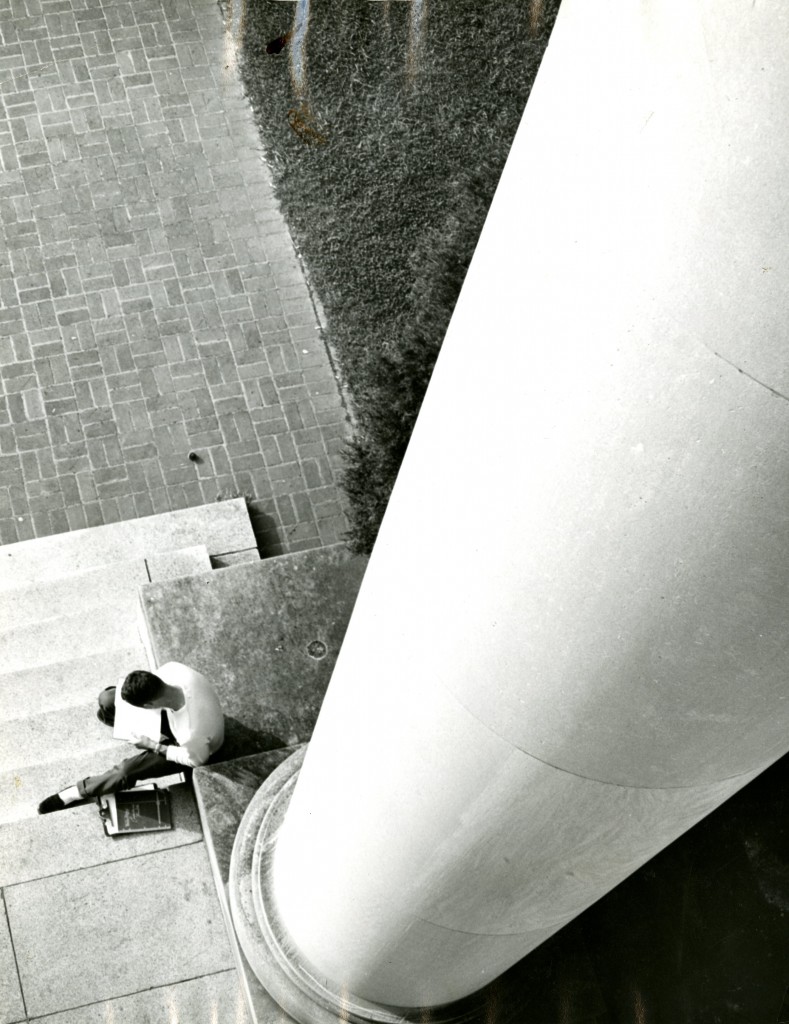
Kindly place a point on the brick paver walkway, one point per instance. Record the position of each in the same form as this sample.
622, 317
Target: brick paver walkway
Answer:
150, 300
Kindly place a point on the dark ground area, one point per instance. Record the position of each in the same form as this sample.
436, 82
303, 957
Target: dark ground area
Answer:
699, 935
387, 126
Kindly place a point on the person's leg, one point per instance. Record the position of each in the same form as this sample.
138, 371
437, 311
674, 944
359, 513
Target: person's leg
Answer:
145, 765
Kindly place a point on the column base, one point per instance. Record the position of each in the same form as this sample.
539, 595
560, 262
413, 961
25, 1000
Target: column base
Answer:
278, 964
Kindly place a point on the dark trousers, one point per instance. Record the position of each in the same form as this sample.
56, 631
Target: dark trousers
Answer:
145, 765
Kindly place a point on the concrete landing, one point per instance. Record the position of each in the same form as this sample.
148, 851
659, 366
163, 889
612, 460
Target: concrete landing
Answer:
212, 999
70, 951
74, 839
266, 634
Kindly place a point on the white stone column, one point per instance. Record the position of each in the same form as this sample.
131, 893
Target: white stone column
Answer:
572, 639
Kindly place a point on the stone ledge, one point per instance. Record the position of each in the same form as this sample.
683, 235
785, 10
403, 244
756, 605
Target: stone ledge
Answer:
266, 633
223, 793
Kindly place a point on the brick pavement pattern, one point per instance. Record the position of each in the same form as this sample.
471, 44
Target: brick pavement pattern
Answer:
151, 303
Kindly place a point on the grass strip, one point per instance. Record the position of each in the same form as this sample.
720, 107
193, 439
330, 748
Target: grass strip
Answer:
387, 125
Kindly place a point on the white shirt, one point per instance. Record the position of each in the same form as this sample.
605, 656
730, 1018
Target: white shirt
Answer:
199, 726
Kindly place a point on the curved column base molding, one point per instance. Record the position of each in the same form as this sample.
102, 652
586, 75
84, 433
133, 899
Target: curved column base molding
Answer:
278, 964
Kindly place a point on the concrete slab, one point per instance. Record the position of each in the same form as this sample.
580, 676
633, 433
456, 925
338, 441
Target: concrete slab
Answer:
116, 929
54, 640
12, 1006
168, 565
76, 681
115, 585
266, 633
212, 999
72, 840
222, 527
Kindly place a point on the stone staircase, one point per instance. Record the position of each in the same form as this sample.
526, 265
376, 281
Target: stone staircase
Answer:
78, 611
70, 624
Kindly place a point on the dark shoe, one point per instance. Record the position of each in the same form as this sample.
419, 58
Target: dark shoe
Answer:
52, 803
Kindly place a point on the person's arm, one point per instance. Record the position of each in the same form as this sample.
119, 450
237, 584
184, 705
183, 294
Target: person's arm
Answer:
190, 755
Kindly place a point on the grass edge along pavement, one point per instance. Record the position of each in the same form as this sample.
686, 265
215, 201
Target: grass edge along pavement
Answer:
386, 142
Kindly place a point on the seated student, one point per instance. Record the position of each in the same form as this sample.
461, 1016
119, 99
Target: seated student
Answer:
195, 729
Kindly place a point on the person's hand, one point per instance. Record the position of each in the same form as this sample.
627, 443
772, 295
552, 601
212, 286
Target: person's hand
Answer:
144, 742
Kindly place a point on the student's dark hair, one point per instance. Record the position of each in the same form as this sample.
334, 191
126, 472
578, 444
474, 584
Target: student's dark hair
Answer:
140, 687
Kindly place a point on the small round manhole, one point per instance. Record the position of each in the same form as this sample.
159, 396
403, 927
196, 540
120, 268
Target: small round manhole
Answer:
316, 649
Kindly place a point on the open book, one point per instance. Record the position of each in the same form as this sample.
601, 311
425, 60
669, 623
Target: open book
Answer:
131, 721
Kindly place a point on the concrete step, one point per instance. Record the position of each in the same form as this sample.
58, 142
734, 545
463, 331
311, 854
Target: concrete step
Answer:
222, 528
31, 691
22, 788
169, 565
115, 585
67, 637
52, 736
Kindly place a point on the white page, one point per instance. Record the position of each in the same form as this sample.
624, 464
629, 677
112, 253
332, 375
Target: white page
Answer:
131, 721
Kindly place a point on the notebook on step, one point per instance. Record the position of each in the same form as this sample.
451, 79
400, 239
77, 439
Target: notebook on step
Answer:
142, 809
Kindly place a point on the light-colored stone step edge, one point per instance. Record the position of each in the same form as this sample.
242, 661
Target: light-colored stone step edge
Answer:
38, 846
168, 565
115, 584
23, 788
68, 637
51, 735
222, 527
75, 681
